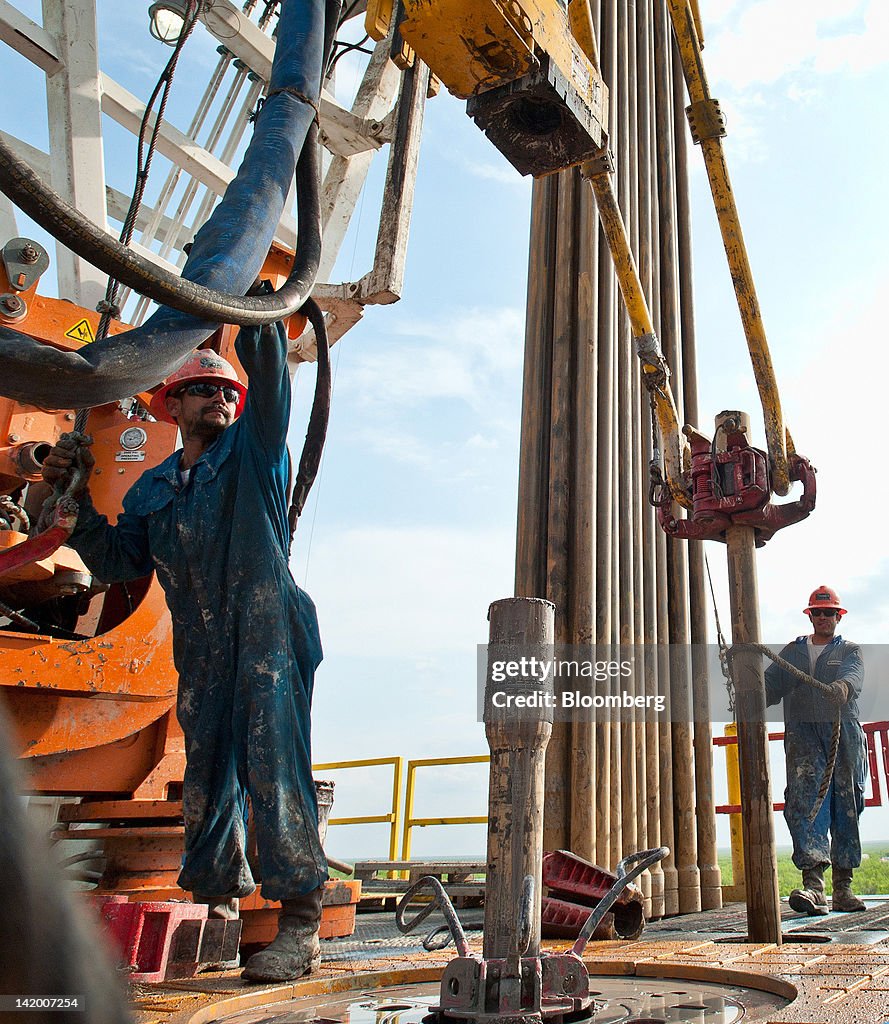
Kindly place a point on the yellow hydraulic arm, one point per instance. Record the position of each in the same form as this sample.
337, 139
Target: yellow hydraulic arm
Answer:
655, 372
708, 128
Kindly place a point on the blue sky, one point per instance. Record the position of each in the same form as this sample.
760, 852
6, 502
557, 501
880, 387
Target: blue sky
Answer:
409, 533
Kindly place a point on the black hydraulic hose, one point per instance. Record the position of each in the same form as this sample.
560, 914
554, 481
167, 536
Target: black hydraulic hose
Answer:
317, 430
332, 15
226, 256
67, 224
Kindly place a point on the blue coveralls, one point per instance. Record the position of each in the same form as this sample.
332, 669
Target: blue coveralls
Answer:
808, 728
245, 637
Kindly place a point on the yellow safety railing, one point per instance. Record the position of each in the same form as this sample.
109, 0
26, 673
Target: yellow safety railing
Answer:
410, 822
393, 818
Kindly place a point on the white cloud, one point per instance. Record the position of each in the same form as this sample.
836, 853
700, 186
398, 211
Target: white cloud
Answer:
771, 40
470, 362
454, 358
440, 581
797, 93
501, 172
396, 445
715, 11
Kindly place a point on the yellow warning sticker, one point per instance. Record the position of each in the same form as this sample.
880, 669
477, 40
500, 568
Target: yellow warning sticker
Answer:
81, 331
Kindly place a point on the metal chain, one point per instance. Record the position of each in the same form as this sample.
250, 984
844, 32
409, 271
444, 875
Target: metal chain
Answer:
658, 491
724, 655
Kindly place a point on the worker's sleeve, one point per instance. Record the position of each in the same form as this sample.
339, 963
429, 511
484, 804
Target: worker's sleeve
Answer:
852, 669
778, 682
263, 354
112, 553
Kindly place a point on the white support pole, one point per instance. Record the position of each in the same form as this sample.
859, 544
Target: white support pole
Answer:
346, 175
29, 39
8, 227
75, 136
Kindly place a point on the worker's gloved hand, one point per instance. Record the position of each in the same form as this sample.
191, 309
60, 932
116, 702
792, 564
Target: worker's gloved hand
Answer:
69, 460
838, 694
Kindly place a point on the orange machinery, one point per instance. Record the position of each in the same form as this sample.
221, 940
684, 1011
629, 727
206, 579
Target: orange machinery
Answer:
86, 671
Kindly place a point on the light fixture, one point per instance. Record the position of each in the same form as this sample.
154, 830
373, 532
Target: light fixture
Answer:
167, 18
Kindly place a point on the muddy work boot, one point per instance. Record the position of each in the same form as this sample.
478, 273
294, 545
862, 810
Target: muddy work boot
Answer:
844, 900
295, 950
810, 899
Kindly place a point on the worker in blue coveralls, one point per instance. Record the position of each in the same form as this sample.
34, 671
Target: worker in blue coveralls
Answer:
211, 521
809, 718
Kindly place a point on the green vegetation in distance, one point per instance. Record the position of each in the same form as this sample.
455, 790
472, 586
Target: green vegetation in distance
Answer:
872, 878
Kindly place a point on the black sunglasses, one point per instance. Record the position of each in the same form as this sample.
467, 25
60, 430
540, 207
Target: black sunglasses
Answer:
831, 613
204, 389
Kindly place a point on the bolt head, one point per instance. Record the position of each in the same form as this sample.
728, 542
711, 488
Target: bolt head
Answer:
12, 303
29, 254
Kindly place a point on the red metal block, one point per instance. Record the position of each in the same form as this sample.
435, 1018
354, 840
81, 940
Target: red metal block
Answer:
576, 886
143, 935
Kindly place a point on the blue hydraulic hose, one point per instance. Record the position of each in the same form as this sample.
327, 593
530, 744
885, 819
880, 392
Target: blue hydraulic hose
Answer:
227, 254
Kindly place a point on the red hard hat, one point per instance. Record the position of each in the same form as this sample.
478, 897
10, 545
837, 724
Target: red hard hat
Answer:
824, 597
204, 364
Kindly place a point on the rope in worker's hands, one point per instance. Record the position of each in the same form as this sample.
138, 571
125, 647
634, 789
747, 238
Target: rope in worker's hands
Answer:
836, 693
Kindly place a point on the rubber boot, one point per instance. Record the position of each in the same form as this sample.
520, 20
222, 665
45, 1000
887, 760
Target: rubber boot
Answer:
222, 909
844, 900
295, 950
810, 899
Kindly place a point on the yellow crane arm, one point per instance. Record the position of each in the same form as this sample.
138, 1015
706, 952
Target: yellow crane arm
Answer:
707, 128
655, 372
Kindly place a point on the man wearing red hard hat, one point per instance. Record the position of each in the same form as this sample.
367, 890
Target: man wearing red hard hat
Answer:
810, 716
211, 521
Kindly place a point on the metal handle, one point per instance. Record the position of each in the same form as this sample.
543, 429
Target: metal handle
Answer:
441, 901
642, 860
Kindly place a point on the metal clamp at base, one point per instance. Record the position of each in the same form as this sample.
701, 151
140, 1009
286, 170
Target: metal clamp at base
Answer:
519, 989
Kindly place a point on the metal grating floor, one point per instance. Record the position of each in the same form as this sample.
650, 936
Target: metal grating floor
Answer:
376, 933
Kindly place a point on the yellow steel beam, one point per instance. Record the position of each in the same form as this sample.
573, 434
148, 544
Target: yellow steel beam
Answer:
654, 368
736, 827
707, 127
410, 821
580, 18
393, 818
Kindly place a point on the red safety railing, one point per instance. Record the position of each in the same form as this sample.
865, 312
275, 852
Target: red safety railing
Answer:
872, 731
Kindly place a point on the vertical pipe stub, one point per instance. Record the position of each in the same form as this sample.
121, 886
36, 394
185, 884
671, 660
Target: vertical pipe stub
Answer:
512, 983
518, 715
